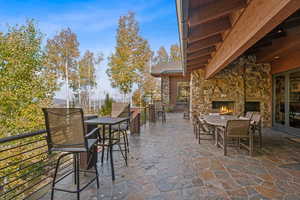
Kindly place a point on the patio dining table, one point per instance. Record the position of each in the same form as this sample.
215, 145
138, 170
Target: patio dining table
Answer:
108, 121
218, 120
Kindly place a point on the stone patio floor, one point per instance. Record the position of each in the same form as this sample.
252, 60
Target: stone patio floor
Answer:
167, 163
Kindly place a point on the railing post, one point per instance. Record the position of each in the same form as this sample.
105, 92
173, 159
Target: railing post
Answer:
135, 124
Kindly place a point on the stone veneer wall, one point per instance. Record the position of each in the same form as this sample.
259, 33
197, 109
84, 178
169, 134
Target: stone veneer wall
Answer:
165, 89
229, 85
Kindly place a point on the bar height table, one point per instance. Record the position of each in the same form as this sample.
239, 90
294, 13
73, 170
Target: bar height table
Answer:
108, 121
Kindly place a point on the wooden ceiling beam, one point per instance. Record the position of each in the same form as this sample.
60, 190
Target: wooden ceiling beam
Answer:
208, 29
205, 43
215, 10
257, 19
201, 52
201, 58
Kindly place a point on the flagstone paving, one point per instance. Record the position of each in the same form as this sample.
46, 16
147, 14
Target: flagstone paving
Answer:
167, 163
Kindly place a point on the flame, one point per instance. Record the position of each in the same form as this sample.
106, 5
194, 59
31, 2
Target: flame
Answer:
225, 109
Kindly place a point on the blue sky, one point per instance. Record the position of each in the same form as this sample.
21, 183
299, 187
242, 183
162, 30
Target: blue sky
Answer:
95, 23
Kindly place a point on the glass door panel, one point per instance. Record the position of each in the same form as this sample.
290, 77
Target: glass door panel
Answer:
279, 100
294, 100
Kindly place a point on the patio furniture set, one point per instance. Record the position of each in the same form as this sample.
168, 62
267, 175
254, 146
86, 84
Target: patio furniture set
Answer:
226, 130
70, 134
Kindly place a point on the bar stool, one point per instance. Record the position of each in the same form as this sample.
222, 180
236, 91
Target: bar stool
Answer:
66, 134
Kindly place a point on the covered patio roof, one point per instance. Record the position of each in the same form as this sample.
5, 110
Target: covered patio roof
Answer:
166, 69
213, 33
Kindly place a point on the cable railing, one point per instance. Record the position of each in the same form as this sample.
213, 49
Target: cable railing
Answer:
26, 166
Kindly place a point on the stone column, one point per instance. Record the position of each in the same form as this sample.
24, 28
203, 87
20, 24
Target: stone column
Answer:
165, 90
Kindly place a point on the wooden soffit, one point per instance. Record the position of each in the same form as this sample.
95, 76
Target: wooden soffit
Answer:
208, 21
215, 10
256, 20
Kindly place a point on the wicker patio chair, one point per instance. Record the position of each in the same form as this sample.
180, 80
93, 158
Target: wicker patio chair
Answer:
256, 127
204, 129
235, 129
160, 110
66, 133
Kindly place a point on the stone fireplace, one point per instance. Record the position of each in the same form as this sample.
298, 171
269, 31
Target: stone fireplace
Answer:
244, 82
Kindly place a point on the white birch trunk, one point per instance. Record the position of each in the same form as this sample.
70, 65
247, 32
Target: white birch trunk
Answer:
67, 83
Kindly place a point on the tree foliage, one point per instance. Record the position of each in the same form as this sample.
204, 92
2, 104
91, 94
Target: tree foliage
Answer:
175, 54
107, 106
161, 57
24, 83
131, 54
85, 78
62, 54
25, 87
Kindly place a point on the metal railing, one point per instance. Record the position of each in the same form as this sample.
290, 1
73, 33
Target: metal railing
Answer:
26, 166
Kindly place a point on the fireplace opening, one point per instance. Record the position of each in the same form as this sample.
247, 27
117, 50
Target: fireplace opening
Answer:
223, 107
252, 106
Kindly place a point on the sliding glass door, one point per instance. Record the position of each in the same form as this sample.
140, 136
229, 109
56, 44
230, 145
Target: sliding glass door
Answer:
286, 101
294, 100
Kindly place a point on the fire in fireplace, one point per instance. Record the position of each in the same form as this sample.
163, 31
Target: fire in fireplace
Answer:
223, 107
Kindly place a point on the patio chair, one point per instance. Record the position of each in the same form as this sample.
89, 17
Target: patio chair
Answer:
204, 129
195, 122
256, 127
235, 129
122, 110
186, 113
214, 114
118, 110
66, 134
160, 111
249, 115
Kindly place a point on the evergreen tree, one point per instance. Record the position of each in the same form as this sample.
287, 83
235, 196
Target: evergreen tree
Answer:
132, 53
107, 106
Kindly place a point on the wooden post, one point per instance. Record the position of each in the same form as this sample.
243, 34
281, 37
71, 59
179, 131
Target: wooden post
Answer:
87, 160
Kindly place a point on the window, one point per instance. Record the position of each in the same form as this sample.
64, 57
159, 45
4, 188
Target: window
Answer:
183, 90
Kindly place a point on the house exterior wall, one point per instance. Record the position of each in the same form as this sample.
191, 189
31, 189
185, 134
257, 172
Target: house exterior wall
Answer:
230, 85
169, 91
173, 87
